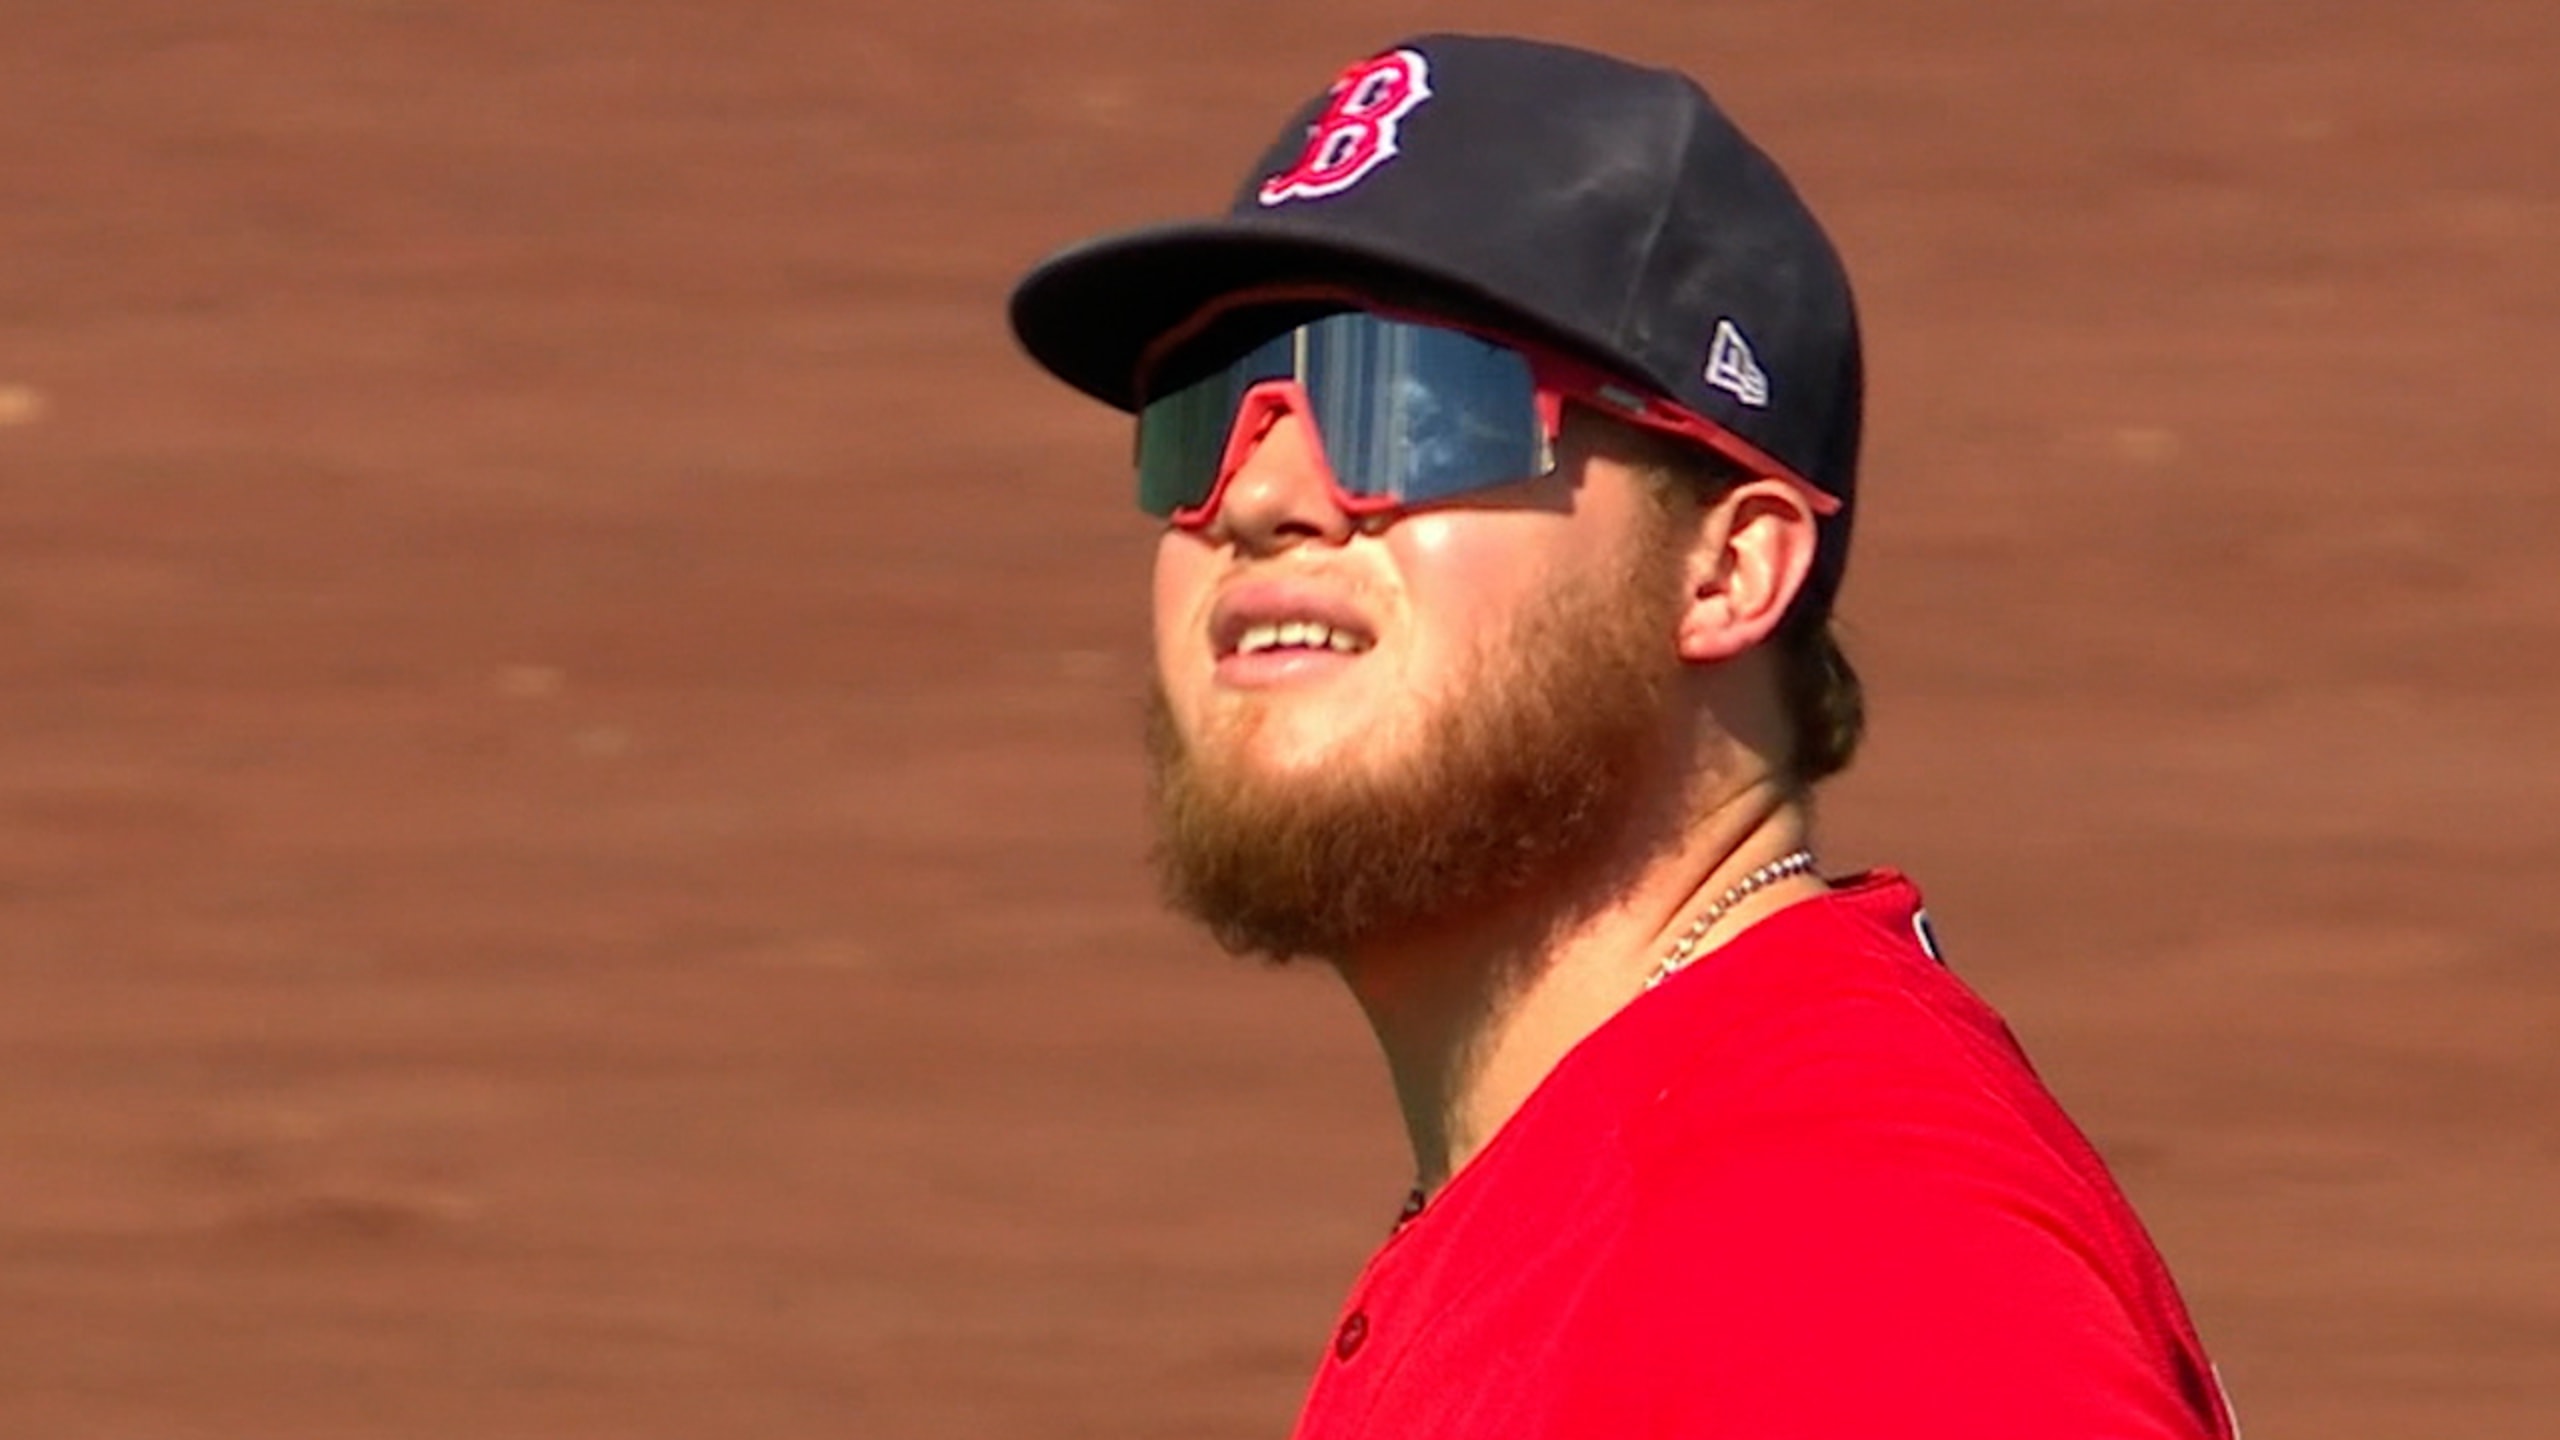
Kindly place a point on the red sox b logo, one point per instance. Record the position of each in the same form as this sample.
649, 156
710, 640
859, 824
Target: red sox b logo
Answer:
1357, 131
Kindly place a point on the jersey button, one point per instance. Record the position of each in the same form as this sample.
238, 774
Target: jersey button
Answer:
1353, 1334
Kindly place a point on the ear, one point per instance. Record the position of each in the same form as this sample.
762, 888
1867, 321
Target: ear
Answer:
1753, 549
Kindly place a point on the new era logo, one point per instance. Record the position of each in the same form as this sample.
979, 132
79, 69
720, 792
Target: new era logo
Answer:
1732, 368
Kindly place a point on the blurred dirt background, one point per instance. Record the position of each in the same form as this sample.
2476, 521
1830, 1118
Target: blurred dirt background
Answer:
569, 828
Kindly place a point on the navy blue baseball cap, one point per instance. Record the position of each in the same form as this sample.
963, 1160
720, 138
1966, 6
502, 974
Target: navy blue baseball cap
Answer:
1530, 191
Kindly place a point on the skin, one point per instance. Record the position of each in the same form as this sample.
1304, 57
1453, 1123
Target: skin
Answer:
1473, 1010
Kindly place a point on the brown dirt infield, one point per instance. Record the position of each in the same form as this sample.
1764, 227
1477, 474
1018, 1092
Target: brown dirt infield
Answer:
570, 829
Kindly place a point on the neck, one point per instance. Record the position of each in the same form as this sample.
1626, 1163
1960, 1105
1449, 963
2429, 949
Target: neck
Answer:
1474, 1014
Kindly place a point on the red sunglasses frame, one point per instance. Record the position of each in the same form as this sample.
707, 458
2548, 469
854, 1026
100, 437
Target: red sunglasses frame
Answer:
1556, 377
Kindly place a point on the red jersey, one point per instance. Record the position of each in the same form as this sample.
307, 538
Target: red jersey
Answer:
1806, 1189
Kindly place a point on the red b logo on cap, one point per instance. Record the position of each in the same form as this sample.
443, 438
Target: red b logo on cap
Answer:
1357, 131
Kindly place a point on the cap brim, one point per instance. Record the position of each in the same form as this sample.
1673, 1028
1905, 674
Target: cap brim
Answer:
1093, 314
1090, 314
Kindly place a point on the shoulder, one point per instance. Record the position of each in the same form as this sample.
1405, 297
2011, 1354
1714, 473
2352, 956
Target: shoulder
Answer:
1836, 1016
1852, 1207
1845, 1296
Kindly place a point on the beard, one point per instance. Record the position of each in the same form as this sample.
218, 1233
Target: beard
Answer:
1527, 777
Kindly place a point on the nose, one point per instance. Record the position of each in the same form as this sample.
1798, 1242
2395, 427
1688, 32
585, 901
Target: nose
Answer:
1282, 492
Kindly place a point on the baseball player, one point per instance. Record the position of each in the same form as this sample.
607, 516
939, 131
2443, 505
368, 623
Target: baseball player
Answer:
1504, 435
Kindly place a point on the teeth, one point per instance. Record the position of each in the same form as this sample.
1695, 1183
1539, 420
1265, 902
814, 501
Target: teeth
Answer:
1298, 635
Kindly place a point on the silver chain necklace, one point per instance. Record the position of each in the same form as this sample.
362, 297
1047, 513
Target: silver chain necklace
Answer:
1685, 949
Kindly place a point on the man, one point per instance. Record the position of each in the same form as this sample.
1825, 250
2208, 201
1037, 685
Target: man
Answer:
1505, 435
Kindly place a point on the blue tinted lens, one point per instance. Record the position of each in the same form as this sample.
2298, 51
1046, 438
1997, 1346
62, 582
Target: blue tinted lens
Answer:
1415, 413
1410, 413
1182, 437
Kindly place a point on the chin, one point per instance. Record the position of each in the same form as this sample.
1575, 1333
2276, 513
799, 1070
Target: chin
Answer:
1284, 748
1329, 727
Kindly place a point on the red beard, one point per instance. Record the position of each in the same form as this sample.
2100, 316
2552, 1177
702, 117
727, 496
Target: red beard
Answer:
1529, 779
